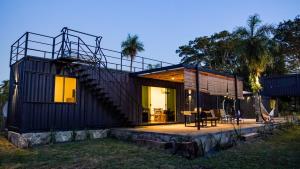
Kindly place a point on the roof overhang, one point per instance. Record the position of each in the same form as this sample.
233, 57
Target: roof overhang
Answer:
175, 73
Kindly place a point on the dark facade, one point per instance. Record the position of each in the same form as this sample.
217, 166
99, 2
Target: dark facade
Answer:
285, 89
106, 93
282, 85
32, 106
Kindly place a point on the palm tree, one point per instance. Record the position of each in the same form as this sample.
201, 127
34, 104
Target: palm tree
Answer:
3, 92
255, 49
130, 47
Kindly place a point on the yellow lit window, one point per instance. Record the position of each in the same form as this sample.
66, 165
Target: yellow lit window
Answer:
65, 89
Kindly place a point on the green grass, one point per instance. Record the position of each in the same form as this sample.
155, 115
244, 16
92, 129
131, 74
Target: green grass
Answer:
279, 151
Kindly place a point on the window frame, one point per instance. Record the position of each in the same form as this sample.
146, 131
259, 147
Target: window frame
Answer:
63, 93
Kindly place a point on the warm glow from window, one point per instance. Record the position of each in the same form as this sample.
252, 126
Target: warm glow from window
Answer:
59, 83
65, 89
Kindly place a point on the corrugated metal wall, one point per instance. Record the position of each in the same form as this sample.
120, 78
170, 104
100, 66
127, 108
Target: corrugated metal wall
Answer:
284, 85
34, 109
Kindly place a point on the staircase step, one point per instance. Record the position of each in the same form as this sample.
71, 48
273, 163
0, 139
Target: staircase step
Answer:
101, 92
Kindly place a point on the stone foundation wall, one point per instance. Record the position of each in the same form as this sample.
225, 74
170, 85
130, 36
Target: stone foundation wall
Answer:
27, 140
205, 142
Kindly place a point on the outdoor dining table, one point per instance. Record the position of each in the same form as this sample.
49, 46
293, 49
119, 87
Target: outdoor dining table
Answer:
203, 120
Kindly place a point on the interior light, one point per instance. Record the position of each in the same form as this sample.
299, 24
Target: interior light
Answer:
172, 78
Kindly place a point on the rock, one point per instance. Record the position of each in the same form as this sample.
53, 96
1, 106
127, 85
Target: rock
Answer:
95, 134
187, 149
18, 140
250, 136
80, 135
63, 136
37, 138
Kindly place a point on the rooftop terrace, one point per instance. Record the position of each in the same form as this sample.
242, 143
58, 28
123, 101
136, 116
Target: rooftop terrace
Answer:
77, 45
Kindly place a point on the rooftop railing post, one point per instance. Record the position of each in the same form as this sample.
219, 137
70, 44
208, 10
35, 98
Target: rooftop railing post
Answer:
121, 61
161, 64
70, 48
17, 50
26, 44
11, 50
63, 44
53, 48
78, 47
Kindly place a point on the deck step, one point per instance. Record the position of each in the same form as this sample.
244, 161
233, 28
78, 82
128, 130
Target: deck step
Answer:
250, 136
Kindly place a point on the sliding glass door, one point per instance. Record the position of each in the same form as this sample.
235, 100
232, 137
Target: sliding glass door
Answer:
159, 104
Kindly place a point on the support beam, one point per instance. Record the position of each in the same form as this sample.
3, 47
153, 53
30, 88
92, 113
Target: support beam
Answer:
237, 106
197, 96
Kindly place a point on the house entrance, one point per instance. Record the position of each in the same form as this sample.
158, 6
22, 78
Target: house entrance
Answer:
159, 104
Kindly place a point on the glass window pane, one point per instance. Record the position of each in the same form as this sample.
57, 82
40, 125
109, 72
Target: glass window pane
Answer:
70, 90
58, 94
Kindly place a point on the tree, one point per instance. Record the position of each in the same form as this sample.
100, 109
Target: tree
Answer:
215, 51
3, 98
130, 47
4, 92
255, 48
287, 34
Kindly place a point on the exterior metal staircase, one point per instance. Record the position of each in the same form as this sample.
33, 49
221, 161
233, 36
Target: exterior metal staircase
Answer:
90, 66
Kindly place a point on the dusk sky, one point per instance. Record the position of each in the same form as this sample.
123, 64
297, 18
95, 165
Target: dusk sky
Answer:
162, 25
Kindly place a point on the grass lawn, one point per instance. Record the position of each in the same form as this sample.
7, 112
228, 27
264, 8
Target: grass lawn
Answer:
279, 151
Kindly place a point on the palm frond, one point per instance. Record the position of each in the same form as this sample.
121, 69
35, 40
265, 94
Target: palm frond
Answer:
264, 31
241, 32
253, 22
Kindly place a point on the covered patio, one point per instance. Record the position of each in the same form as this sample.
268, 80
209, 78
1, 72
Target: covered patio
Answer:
204, 90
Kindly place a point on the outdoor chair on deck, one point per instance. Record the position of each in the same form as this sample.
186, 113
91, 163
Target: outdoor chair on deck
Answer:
187, 117
213, 118
225, 117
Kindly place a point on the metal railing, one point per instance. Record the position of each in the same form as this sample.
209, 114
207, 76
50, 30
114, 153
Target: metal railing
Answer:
77, 45
71, 44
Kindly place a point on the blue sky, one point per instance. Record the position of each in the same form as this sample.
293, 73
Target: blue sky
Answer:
162, 25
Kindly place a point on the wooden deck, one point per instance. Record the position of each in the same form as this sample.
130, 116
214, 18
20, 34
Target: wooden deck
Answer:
190, 130
157, 135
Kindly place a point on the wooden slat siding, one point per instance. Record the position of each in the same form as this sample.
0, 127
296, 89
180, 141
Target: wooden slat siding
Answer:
212, 83
240, 89
189, 79
203, 82
231, 88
